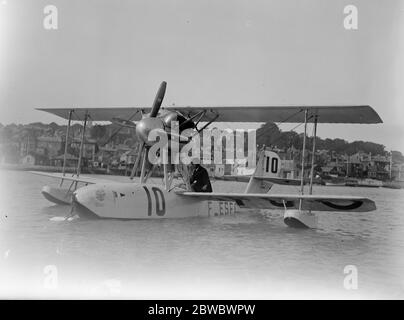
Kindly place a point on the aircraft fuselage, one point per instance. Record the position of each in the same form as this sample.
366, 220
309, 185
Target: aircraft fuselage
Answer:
145, 201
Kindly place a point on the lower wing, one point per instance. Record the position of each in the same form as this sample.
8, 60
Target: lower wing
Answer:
70, 178
288, 201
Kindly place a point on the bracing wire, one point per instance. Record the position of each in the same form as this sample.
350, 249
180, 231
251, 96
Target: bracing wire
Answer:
282, 122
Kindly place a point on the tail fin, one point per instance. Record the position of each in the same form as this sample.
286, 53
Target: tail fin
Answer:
268, 166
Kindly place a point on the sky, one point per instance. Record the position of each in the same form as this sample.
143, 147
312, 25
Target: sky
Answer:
223, 52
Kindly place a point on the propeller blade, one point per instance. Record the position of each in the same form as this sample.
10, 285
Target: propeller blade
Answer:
158, 100
139, 156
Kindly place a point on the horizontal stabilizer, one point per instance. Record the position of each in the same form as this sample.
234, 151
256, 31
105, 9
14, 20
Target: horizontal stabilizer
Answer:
283, 181
246, 178
238, 178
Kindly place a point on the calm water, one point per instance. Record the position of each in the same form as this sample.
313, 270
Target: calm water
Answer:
250, 255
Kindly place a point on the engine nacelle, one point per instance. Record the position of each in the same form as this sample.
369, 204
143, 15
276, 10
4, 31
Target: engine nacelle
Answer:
145, 126
169, 117
183, 122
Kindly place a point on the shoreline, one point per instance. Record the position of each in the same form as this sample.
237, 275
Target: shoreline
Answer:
20, 167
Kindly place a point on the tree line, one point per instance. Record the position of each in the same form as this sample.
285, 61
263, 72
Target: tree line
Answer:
269, 134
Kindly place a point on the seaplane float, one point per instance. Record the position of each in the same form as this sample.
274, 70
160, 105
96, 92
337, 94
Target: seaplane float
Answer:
99, 198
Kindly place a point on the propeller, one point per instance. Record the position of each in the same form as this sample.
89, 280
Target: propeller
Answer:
148, 123
158, 100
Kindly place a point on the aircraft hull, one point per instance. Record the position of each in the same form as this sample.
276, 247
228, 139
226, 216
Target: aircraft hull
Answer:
132, 201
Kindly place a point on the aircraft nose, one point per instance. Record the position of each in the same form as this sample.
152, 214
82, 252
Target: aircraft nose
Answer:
145, 126
80, 201
78, 197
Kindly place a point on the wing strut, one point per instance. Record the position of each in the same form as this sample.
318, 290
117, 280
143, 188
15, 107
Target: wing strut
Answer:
82, 145
66, 144
303, 155
313, 154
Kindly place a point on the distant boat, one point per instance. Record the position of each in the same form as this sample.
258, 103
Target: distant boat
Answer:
351, 182
335, 182
393, 184
370, 183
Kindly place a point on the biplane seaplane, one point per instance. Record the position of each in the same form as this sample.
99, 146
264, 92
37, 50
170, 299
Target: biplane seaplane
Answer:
141, 200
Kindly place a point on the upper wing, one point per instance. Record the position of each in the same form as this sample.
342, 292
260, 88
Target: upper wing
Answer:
290, 114
279, 201
70, 178
99, 114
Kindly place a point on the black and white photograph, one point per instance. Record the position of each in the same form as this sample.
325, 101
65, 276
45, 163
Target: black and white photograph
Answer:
201, 150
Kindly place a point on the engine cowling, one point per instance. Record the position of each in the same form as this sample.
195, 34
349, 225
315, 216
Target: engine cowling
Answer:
145, 126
